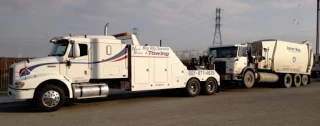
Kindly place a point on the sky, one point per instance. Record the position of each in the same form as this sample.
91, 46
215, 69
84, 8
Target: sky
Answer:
26, 26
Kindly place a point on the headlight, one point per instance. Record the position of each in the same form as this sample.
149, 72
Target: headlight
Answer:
19, 84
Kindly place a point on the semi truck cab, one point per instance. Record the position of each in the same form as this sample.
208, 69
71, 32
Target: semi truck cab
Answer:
229, 60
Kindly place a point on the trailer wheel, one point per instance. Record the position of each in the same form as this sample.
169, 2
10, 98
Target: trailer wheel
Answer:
297, 80
193, 88
248, 79
287, 80
304, 80
50, 98
210, 86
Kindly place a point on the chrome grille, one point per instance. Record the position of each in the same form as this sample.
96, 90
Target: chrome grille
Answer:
11, 76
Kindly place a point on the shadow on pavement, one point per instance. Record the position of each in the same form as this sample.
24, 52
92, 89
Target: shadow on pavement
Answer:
24, 107
16, 107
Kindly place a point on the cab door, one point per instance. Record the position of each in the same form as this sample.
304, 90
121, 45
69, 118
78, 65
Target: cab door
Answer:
241, 60
78, 68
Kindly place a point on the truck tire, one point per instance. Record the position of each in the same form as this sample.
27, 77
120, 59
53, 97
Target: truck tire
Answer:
248, 79
50, 98
304, 80
193, 88
297, 80
287, 80
210, 87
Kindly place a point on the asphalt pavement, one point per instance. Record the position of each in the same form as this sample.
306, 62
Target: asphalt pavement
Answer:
263, 106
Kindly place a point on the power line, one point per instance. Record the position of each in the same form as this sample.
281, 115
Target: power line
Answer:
295, 20
298, 9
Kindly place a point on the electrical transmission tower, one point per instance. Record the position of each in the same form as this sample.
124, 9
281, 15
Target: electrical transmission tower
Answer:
135, 31
217, 34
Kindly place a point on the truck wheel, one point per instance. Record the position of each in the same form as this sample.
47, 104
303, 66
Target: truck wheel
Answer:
50, 98
210, 87
287, 80
297, 80
249, 79
304, 80
193, 88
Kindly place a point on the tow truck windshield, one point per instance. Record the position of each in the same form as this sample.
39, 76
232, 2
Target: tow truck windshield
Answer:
59, 48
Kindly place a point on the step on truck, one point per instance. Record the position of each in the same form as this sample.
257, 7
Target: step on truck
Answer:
264, 61
80, 67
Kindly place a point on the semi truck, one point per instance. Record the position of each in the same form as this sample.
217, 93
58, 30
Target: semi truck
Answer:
81, 67
264, 61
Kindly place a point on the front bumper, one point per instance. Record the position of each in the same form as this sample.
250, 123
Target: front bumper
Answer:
20, 93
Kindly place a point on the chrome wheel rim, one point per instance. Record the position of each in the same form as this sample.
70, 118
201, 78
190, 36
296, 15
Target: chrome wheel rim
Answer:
193, 87
211, 87
51, 98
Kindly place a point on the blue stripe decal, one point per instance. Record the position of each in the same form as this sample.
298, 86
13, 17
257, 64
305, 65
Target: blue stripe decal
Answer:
120, 54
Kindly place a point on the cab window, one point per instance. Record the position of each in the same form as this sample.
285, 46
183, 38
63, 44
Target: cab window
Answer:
242, 51
83, 50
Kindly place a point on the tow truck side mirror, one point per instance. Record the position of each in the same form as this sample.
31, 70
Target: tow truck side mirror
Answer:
76, 50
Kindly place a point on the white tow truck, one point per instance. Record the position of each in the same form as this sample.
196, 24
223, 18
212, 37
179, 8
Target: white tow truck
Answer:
80, 67
264, 61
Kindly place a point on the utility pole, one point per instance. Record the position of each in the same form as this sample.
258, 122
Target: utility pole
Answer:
317, 36
217, 34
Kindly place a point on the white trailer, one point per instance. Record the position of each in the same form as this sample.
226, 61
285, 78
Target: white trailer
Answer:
80, 67
264, 61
